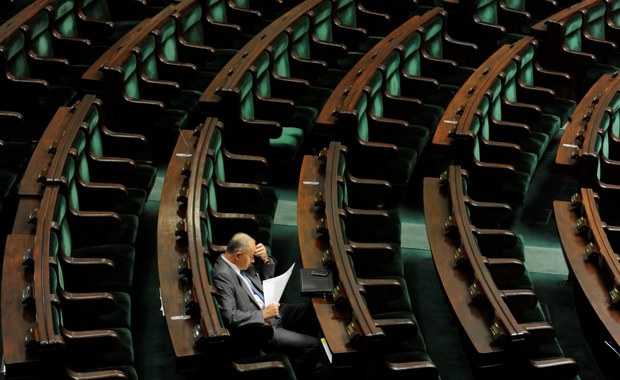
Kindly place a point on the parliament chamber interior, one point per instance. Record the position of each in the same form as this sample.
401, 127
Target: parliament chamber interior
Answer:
368, 138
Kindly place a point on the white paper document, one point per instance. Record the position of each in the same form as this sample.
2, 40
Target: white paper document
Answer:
274, 287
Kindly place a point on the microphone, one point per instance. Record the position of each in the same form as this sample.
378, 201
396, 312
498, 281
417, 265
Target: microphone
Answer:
187, 153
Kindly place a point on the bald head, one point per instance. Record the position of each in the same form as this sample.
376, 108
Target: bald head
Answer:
240, 250
240, 242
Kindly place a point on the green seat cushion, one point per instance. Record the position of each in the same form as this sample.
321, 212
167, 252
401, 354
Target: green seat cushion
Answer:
134, 204
563, 108
285, 147
547, 124
8, 179
143, 178
303, 118
536, 143
15, 155
123, 257
90, 360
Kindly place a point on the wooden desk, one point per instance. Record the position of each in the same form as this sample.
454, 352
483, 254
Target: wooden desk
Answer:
169, 252
456, 280
312, 245
15, 278
456, 120
228, 77
593, 283
585, 125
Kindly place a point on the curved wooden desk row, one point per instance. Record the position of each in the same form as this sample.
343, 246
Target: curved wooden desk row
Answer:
343, 102
352, 334
572, 22
226, 81
455, 124
591, 257
26, 259
498, 342
187, 296
579, 148
30, 339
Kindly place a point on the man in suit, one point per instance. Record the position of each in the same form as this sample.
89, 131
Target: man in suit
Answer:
237, 275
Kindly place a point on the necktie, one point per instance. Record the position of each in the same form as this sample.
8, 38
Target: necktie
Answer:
253, 287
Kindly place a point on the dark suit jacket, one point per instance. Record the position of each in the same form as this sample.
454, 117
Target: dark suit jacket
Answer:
237, 304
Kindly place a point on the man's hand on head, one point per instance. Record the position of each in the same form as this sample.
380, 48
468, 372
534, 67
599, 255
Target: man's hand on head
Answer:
261, 252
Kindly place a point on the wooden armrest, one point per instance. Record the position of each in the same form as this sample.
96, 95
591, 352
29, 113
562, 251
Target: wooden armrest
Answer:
308, 69
111, 169
275, 109
95, 341
419, 369
397, 327
380, 290
400, 107
489, 214
600, 48
327, 51
540, 332
109, 374
500, 152
368, 193
371, 254
505, 269
520, 112
245, 168
559, 368
508, 132
519, 299
418, 87
495, 238
289, 87
260, 128
91, 303
348, 35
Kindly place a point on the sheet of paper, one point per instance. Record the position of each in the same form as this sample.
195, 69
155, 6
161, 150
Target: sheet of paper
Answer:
274, 287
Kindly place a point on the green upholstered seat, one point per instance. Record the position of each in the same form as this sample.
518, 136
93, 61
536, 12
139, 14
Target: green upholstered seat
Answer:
8, 179
152, 68
107, 23
121, 199
268, 137
348, 14
378, 162
298, 87
102, 144
223, 223
366, 225
283, 371
335, 52
534, 139
15, 155
256, 199
434, 33
55, 56
138, 108
596, 25
304, 59
522, 161
90, 228
171, 51
27, 87
528, 77
573, 41
210, 28
421, 125
499, 184
404, 74
114, 273
297, 115
104, 349
85, 311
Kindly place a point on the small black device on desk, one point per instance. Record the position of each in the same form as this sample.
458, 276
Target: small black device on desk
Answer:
316, 282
